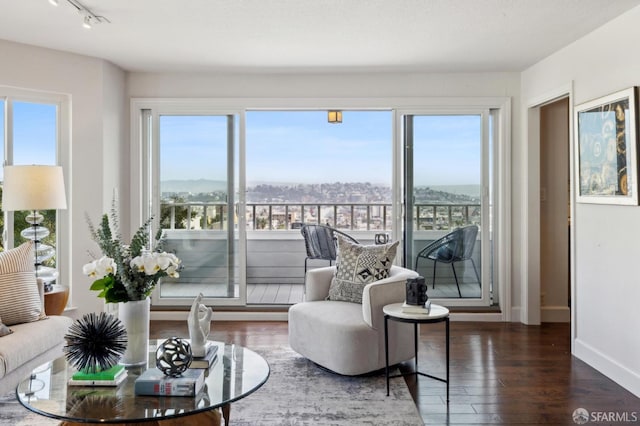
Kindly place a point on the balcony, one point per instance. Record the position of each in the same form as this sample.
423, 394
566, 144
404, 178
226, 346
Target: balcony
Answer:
276, 251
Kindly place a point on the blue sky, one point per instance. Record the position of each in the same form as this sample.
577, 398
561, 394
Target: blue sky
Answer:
302, 147
34, 133
286, 146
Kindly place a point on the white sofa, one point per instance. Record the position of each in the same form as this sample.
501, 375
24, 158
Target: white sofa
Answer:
345, 337
30, 345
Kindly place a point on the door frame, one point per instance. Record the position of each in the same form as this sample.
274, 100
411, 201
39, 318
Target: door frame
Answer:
530, 162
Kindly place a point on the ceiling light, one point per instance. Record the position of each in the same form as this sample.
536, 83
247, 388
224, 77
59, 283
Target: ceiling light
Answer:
334, 117
89, 18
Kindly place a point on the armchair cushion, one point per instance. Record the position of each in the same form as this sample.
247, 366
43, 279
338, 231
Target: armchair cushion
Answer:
357, 266
348, 338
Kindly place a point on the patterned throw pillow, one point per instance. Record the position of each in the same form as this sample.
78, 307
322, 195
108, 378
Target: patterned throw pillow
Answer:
358, 266
19, 296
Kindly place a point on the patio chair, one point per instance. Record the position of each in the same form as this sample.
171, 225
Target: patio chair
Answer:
320, 242
456, 246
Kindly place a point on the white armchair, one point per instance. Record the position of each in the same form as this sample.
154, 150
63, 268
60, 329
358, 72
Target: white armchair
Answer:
345, 337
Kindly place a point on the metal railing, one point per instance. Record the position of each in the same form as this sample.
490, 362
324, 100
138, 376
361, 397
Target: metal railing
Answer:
285, 216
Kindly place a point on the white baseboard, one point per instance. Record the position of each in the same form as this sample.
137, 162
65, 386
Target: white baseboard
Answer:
476, 316
617, 372
515, 314
547, 314
555, 314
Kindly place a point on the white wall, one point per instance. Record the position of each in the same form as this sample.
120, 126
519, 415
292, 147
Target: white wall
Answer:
606, 293
93, 97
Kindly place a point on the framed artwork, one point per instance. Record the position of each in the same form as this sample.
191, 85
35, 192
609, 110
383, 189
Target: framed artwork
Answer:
606, 150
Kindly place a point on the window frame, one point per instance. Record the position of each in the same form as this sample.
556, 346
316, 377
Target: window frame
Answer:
62, 102
398, 105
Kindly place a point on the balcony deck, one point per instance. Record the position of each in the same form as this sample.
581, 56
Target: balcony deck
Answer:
276, 253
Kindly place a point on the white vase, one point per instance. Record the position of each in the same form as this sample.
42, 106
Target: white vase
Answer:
135, 318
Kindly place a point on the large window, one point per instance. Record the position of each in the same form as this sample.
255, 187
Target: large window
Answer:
303, 169
231, 181
31, 128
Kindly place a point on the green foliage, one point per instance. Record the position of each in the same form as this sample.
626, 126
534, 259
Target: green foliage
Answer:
126, 284
111, 289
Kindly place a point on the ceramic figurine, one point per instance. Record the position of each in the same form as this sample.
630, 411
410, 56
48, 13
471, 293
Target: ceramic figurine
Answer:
199, 326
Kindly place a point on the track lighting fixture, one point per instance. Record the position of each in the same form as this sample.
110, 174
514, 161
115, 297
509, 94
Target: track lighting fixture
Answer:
87, 22
88, 17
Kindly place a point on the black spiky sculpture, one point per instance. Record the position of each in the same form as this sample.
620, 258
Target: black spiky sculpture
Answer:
95, 342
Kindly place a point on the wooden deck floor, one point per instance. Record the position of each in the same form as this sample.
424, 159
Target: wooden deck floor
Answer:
288, 294
274, 294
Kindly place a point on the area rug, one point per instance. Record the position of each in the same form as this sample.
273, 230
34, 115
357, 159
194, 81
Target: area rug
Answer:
298, 393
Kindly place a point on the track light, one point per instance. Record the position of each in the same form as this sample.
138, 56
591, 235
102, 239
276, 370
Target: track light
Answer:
88, 17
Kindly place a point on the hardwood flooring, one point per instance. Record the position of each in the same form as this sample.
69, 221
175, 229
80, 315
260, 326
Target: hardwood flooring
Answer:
501, 373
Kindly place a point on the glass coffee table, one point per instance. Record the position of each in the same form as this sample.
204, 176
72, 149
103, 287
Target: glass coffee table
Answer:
237, 373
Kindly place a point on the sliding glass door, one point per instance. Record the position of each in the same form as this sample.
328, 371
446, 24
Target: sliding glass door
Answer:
193, 203
448, 220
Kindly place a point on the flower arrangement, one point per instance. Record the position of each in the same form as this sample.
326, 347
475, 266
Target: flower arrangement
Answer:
127, 272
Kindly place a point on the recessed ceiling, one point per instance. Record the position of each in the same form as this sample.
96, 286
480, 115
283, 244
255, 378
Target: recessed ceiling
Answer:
311, 35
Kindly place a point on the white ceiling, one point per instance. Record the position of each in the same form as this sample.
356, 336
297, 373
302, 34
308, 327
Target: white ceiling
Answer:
311, 35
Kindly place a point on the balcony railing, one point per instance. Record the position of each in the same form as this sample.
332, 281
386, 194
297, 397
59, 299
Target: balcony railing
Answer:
285, 216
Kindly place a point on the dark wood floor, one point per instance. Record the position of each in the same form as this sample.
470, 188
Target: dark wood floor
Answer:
501, 373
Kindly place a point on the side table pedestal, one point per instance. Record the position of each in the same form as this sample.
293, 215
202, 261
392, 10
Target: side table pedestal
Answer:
56, 300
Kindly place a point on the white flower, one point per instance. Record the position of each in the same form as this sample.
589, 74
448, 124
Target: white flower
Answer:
100, 268
172, 271
137, 264
90, 269
151, 266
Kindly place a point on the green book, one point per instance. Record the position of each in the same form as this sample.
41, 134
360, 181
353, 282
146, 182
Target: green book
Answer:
109, 374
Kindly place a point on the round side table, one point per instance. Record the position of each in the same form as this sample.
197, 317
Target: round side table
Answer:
394, 312
56, 300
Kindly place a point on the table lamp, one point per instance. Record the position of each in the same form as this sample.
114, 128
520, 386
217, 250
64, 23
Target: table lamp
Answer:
35, 188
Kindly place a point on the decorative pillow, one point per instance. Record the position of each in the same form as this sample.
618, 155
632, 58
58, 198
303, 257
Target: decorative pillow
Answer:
358, 266
19, 296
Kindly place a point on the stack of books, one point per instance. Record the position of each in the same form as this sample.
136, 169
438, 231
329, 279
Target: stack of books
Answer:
154, 382
111, 377
206, 361
417, 309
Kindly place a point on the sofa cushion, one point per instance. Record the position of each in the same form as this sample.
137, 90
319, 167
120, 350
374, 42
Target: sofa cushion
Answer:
20, 300
29, 340
357, 266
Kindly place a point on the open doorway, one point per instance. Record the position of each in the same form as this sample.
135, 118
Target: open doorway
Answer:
555, 212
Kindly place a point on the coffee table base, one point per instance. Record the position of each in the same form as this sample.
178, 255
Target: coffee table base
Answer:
206, 418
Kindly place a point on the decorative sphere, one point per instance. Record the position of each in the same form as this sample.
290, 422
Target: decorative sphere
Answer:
173, 356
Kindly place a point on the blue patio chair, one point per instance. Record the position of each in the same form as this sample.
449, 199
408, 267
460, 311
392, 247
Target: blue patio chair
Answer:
320, 242
456, 246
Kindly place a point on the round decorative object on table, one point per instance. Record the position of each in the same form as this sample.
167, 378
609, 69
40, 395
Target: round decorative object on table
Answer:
95, 342
173, 356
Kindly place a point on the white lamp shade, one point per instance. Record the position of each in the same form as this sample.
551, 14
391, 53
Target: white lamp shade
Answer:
33, 188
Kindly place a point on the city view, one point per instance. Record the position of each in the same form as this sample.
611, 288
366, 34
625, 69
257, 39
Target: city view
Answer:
359, 206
